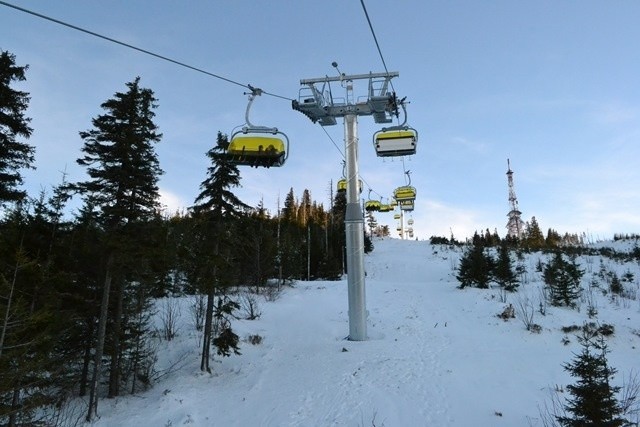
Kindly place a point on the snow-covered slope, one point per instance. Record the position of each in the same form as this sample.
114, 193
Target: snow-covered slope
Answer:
437, 355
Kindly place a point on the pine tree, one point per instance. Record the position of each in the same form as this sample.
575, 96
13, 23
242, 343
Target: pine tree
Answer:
534, 239
123, 174
215, 207
593, 401
121, 160
475, 268
503, 272
563, 279
290, 210
14, 155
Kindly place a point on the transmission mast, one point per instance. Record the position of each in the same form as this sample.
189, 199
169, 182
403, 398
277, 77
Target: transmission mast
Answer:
515, 225
318, 103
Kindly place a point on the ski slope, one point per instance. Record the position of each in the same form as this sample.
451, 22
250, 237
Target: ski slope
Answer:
436, 355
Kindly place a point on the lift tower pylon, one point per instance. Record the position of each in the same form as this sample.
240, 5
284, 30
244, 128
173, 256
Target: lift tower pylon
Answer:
317, 101
515, 225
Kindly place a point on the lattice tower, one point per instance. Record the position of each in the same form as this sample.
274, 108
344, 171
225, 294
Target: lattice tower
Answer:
515, 225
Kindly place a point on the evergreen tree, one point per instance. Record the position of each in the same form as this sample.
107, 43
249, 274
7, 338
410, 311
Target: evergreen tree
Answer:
121, 160
304, 209
371, 223
215, 208
475, 268
593, 401
503, 272
553, 239
14, 155
257, 247
563, 279
534, 239
290, 210
35, 321
338, 239
123, 174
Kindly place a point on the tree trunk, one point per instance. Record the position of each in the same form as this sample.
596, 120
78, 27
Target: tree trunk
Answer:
84, 375
5, 324
15, 407
208, 322
114, 372
102, 327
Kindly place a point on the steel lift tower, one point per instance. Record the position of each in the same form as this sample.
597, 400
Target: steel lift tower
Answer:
317, 102
515, 225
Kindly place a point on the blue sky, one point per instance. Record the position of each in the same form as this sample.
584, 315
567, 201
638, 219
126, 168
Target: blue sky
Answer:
552, 85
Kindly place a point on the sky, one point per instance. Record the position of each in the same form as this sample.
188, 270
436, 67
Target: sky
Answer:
435, 355
551, 85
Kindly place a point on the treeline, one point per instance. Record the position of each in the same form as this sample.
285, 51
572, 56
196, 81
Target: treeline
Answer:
76, 292
532, 239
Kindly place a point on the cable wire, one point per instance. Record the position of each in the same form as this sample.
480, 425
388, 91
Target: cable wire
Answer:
164, 58
375, 39
199, 70
333, 142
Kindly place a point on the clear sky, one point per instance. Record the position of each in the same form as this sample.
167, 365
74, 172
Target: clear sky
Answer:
552, 85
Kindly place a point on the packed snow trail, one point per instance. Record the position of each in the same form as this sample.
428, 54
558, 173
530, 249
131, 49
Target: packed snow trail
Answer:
436, 355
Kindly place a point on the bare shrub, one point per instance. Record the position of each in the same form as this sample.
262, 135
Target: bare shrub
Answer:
629, 398
552, 408
592, 306
198, 309
254, 339
68, 412
271, 293
502, 295
169, 316
526, 311
249, 306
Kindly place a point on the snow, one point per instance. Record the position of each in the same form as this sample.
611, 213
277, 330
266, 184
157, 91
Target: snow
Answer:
436, 355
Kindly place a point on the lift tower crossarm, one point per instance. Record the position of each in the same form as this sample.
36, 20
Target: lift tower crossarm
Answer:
344, 77
324, 109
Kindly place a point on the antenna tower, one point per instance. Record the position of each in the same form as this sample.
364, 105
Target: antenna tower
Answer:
515, 225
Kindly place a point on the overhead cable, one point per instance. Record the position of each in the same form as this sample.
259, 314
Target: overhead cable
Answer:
375, 39
112, 40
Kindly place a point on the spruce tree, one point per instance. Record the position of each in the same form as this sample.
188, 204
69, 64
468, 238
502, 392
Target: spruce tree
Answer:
593, 401
123, 171
14, 155
534, 238
503, 272
563, 279
214, 210
475, 268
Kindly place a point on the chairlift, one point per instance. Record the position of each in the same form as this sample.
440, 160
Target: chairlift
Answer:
396, 141
257, 145
386, 207
407, 205
341, 187
406, 193
372, 205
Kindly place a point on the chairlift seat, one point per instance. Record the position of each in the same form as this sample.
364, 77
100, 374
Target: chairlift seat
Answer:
257, 151
405, 193
372, 205
395, 142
